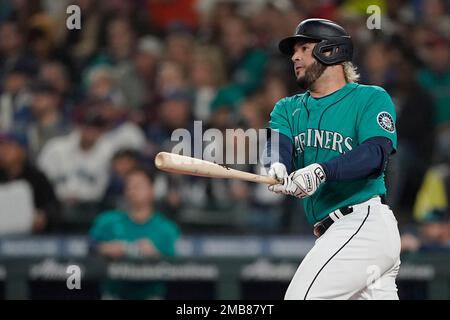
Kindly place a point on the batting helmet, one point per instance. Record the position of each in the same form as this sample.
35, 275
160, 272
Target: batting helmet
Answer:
329, 37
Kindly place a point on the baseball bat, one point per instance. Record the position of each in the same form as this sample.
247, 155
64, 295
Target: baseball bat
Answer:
175, 163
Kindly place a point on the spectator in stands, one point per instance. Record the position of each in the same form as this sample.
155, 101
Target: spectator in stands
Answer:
171, 78
131, 11
245, 64
415, 126
175, 192
435, 231
435, 13
174, 113
245, 68
41, 38
179, 48
122, 163
265, 209
377, 68
27, 200
435, 77
207, 75
15, 113
434, 193
275, 87
433, 236
103, 85
138, 232
119, 132
56, 74
120, 44
12, 49
165, 15
48, 122
80, 45
138, 81
77, 165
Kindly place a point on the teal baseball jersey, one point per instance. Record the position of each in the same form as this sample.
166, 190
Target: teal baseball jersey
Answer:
328, 127
117, 225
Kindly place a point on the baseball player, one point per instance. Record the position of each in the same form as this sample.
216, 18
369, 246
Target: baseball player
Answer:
335, 142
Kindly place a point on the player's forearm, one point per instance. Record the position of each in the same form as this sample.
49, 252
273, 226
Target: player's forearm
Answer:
365, 161
282, 154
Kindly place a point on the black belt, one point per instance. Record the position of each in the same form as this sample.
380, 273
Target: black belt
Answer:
323, 225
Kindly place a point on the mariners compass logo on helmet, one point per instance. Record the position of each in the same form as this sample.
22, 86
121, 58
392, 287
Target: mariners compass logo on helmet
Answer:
386, 122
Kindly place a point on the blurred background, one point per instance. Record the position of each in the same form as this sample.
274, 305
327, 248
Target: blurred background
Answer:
83, 112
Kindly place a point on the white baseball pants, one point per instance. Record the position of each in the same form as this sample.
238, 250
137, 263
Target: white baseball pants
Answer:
358, 257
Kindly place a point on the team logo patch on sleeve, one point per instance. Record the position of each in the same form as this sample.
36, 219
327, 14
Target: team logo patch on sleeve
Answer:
385, 121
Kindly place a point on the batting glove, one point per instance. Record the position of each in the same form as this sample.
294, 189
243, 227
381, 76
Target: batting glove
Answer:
307, 180
278, 171
286, 186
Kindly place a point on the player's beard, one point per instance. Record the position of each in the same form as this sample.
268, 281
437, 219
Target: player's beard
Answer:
312, 73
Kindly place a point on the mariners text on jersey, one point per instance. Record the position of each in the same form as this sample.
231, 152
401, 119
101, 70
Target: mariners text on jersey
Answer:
323, 139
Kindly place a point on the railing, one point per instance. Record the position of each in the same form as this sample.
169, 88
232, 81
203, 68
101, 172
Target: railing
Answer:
262, 269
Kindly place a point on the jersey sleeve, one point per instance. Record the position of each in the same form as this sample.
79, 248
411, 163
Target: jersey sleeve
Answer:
378, 118
279, 120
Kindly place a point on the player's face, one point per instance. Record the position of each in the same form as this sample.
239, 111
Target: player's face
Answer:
307, 69
302, 58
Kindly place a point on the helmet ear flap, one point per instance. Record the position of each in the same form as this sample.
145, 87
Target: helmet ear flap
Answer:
340, 51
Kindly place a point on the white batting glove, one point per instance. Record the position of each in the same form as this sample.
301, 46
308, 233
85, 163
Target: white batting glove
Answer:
307, 180
278, 171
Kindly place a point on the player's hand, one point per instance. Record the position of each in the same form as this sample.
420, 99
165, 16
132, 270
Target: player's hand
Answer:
278, 171
307, 180
286, 186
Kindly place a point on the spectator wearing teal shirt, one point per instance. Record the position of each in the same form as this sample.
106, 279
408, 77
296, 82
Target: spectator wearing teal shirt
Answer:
435, 78
139, 232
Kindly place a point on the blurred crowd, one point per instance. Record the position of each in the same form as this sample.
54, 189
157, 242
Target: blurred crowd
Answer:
81, 109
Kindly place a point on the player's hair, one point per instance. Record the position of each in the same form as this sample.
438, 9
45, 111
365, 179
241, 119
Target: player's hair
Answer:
350, 72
